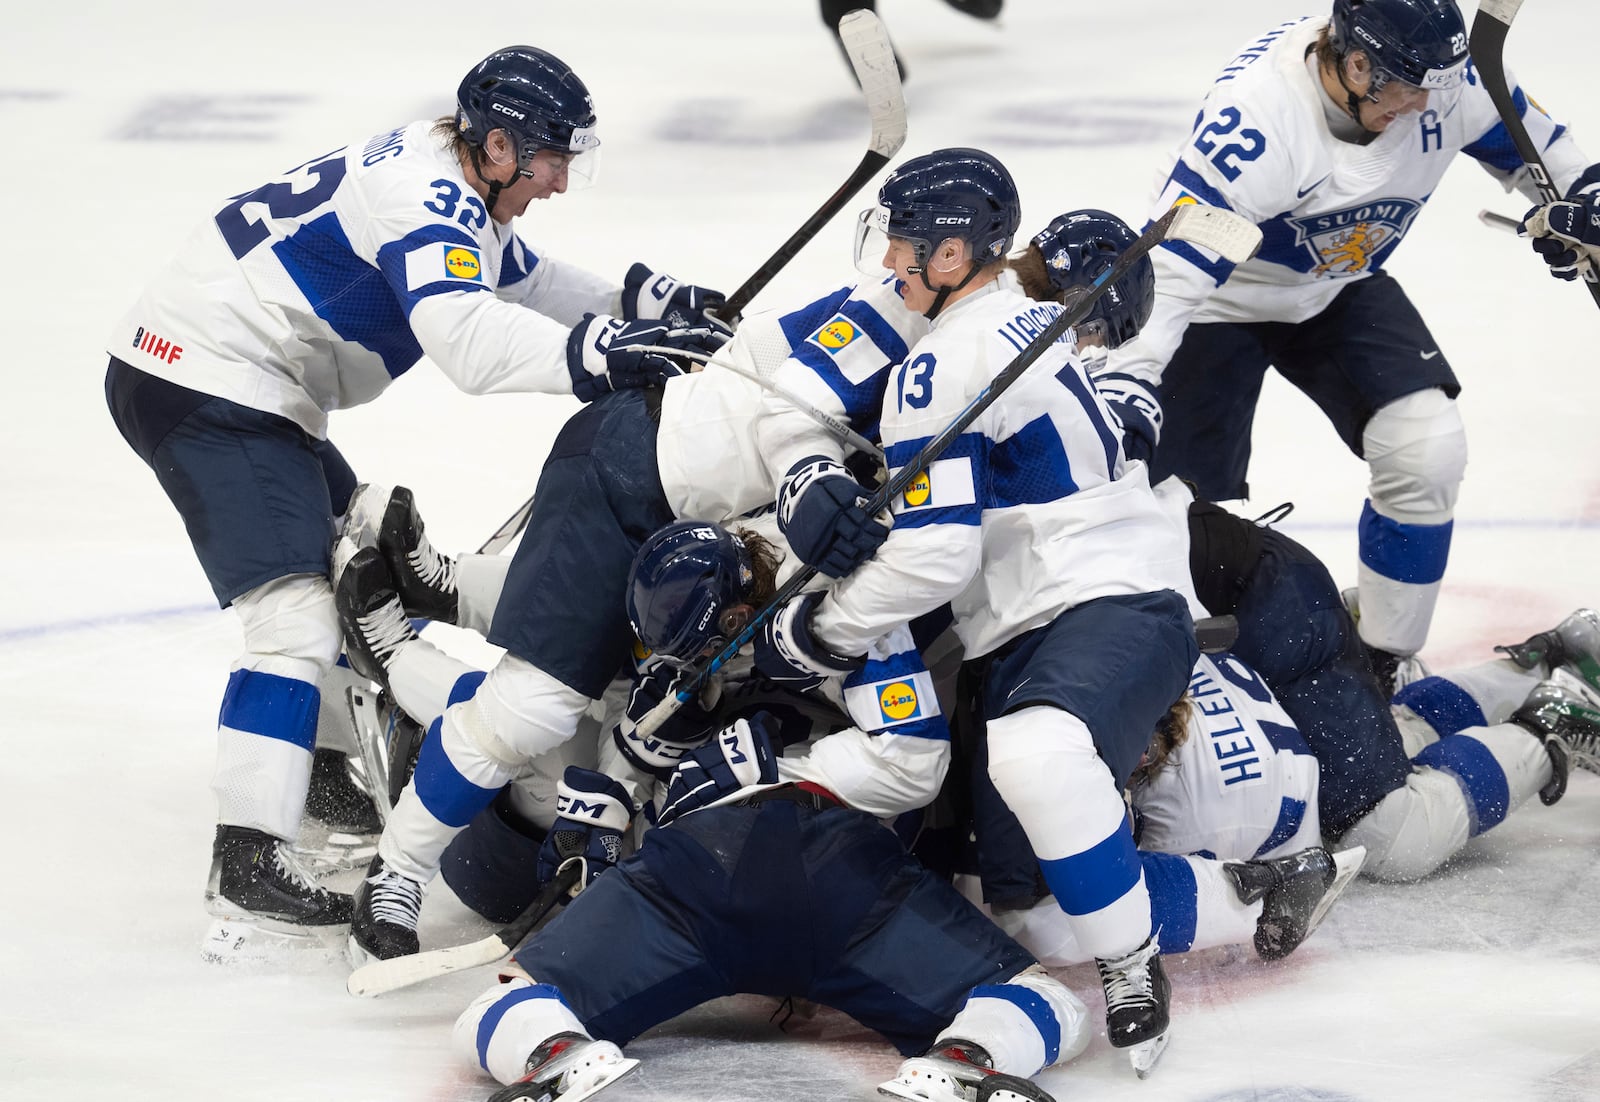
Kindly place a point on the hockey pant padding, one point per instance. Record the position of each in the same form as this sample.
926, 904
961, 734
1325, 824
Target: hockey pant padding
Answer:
479, 580
1044, 764
477, 747
1025, 1024
426, 681
1416, 451
501, 1027
268, 721
492, 865
1464, 785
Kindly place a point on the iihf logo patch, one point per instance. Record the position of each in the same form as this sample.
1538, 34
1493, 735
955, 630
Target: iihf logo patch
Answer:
1353, 241
837, 335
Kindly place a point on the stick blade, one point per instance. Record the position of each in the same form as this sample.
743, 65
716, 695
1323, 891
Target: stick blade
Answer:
1231, 236
866, 43
382, 976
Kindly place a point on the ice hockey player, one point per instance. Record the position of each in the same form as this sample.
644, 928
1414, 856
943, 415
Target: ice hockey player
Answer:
757, 852
1332, 134
1075, 665
310, 294
620, 468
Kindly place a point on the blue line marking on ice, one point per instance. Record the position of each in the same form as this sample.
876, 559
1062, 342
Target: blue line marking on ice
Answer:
92, 623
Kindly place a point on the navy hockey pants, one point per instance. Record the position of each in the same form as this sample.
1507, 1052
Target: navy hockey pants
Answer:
773, 899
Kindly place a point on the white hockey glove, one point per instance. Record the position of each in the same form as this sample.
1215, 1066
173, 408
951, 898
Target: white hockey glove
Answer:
1566, 233
787, 652
606, 354
652, 295
593, 812
740, 756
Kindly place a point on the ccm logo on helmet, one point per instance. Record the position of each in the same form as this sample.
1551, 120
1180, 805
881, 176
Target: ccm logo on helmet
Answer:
951, 220
504, 110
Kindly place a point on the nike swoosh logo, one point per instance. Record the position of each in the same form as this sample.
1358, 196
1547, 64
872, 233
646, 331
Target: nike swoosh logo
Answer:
1430, 355
1018, 689
1307, 191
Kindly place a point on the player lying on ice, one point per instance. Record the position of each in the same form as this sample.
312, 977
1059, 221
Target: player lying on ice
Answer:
773, 875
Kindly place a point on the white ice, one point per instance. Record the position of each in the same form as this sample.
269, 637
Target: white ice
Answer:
725, 123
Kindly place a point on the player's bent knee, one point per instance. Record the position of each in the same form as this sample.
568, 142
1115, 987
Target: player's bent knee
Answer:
1414, 829
522, 711
1416, 448
290, 627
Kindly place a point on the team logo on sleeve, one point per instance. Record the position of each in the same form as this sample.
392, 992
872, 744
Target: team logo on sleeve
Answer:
837, 335
898, 702
1353, 241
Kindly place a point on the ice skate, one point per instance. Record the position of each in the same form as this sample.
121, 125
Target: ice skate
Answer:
374, 623
1564, 714
335, 799
1137, 998
388, 520
258, 889
387, 907
958, 1071
1296, 892
569, 1067
1572, 645
1392, 671
389, 741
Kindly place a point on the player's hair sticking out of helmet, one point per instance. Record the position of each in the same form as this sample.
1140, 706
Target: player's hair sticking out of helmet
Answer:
531, 95
1172, 731
1422, 43
1065, 258
961, 194
689, 583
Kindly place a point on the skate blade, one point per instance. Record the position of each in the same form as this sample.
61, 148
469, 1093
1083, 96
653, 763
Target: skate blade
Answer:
246, 940
593, 1080
339, 852
1346, 864
372, 744
1143, 1056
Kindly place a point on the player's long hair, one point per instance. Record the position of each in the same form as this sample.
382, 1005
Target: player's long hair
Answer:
764, 561
1170, 734
1029, 267
444, 129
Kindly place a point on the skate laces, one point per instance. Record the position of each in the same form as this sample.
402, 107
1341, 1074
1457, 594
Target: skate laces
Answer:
386, 628
288, 864
435, 570
396, 899
1127, 979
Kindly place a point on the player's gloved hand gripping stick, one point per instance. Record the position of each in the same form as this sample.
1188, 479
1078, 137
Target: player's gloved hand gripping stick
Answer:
1230, 235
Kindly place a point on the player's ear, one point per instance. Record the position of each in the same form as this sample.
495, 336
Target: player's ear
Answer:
497, 146
734, 618
951, 255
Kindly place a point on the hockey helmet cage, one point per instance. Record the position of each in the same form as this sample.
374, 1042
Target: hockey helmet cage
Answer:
1078, 248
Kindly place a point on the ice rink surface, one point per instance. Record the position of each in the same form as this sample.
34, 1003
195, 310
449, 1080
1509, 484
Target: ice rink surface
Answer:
725, 122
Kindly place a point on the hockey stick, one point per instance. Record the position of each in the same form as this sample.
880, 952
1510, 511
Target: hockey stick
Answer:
1221, 231
380, 976
866, 43
508, 531
1498, 221
1489, 29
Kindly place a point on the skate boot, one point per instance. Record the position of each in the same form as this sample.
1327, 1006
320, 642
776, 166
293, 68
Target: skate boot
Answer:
335, 800
1572, 645
388, 520
1563, 714
958, 1071
569, 1067
1137, 998
374, 623
1296, 892
255, 875
387, 906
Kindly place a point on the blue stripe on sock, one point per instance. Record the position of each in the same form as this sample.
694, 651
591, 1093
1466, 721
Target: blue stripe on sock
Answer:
1035, 1006
1412, 553
271, 706
1291, 813
491, 1017
1482, 780
466, 686
1446, 706
1173, 893
1096, 878
448, 796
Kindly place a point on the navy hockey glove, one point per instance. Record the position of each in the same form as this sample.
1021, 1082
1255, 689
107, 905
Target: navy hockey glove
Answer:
606, 354
656, 295
740, 755
593, 811
821, 512
789, 654
1137, 408
689, 727
1566, 233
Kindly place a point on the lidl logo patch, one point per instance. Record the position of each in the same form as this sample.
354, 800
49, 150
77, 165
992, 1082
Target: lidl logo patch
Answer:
919, 491
463, 263
837, 335
898, 700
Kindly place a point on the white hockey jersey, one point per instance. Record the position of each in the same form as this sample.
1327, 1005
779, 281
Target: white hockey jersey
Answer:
1032, 510
1329, 210
315, 291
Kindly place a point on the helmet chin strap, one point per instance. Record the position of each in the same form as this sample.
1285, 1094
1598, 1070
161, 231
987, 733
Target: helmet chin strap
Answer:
1353, 101
494, 185
941, 294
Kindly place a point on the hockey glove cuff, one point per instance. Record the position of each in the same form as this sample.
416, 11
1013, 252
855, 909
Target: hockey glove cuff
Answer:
789, 654
687, 728
648, 294
1566, 234
606, 354
821, 512
593, 812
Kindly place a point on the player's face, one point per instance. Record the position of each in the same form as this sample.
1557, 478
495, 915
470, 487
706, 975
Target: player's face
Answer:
546, 176
900, 257
1384, 98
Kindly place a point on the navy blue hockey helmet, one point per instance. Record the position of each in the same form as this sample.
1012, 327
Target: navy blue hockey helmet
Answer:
684, 577
960, 193
532, 95
1078, 248
1420, 42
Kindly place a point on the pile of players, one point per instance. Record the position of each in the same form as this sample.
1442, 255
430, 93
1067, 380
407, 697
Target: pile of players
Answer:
1032, 583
